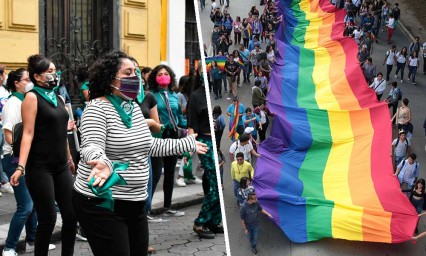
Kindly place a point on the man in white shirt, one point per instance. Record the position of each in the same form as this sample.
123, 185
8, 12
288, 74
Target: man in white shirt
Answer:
244, 146
407, 173
214, 5
390, 58
379, 85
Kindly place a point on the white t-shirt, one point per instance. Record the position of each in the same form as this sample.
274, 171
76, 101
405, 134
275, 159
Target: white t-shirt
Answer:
400, 58
391, 23
390, 57
236, 147
11, 116
401, 149
262, 117
214, 5
4, 95
413, 62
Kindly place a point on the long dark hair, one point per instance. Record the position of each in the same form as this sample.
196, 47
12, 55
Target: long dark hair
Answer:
217, 111
422, 181
152, 82
14, 76
103, 71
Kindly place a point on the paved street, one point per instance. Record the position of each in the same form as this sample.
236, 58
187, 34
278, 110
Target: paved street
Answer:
272, 241
172, 237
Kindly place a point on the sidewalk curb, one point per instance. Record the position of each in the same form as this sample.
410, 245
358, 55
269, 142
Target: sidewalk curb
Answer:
406, 31
56, 235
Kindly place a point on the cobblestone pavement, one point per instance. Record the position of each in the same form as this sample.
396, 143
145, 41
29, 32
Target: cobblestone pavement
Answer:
172, 237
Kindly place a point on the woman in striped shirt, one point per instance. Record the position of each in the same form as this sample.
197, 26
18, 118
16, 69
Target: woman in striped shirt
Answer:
111, 183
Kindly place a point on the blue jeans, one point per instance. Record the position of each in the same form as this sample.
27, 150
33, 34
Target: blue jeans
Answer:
148, 201
412, 70
3, 177
236, 188
418, 204
253, 233
25, 214
225, 83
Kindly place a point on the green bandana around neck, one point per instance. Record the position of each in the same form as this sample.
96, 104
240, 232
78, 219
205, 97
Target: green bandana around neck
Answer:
18, 95
105, 191
124, 108
48, 94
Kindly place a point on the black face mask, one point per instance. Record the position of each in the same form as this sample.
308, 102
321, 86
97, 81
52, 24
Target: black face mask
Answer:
51, 80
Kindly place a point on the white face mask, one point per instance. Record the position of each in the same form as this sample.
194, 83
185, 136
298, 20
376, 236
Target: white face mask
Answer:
29, 86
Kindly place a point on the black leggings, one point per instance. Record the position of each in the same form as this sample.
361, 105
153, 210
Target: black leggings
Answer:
169, 163
123, 231
46, 186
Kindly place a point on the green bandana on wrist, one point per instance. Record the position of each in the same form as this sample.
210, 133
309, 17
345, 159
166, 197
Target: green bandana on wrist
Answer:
18, 95
48, 94
124, 108
159, 134
141, 94
105, 191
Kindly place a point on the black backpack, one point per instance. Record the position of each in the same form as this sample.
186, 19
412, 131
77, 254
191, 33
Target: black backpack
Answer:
216, 123
17, 132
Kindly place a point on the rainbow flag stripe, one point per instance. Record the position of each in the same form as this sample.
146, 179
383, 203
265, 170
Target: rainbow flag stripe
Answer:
233, 134
220, 62
325, 170
248, 33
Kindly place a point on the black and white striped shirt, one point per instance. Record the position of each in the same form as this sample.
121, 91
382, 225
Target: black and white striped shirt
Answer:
104, 136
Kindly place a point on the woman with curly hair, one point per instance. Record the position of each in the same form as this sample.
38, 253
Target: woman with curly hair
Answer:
161, 81
45, 157
111, 183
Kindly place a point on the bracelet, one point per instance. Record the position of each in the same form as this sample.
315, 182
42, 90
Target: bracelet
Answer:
20, 168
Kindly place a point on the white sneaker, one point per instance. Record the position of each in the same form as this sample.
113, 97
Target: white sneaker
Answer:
194, 181
174, 213
10, 252
1, 194
30, 248
153, 219
6, 188
180, 182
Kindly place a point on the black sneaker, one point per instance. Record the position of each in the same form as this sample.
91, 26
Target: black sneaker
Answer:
254, 251
203, 232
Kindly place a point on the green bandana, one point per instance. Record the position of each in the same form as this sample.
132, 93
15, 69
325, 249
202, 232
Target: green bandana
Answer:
105, 191
18, 95
48, 94
124, 108
84, 86
141, 94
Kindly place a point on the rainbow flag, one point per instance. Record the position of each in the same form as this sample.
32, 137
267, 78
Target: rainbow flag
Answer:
325, 170
248, 33
233, 134
220, 62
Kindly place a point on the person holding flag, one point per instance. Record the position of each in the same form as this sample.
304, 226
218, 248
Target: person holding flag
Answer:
246, 32
245, 56
235, 112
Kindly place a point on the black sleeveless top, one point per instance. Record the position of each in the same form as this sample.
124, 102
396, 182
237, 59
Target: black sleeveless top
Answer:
49, 147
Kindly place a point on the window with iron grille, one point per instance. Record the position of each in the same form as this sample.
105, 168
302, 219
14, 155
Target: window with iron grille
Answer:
76, 32
192, 45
